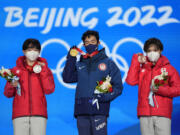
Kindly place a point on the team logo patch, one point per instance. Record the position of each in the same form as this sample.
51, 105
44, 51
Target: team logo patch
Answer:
143, 70
102, 66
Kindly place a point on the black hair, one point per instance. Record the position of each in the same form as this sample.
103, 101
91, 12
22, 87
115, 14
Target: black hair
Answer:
153, 41
31, 43
89, 33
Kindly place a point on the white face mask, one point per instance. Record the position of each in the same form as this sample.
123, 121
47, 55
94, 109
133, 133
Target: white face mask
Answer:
153, 56
32, 55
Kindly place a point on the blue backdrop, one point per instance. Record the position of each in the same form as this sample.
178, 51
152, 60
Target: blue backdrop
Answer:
123, 25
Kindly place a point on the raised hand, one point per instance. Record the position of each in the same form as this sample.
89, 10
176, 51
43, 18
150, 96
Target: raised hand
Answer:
72, 52
141, 58
14, 83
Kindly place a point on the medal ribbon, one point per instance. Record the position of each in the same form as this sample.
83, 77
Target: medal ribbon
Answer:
86, 55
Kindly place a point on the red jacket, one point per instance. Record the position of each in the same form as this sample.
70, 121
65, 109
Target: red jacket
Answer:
32, 101
142, 75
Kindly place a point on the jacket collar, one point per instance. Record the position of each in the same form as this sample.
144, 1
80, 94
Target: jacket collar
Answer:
21, 62
162, 61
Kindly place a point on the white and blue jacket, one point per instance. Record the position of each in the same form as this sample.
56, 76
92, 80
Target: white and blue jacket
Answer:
86, 73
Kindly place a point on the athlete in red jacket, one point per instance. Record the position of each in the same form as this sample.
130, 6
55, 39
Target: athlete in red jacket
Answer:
35, 79
158, 83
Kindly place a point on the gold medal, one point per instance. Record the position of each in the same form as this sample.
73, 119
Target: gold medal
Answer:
73, 52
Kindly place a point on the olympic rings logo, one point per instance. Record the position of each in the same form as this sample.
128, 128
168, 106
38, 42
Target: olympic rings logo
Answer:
114, 55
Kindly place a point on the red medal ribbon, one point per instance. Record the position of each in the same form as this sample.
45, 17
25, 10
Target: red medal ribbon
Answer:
86, 55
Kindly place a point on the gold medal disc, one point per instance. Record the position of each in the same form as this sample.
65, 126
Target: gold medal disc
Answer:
73, 52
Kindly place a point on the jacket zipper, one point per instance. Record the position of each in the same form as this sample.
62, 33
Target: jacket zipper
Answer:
89, 67
30, 93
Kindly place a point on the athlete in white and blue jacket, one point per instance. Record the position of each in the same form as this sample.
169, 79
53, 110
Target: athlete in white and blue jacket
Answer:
92, 118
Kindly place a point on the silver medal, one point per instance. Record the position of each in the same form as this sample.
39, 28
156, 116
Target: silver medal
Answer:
37, 69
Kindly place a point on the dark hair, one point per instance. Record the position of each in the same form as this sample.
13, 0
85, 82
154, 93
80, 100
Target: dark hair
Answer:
89, 33
31, 43
154, 41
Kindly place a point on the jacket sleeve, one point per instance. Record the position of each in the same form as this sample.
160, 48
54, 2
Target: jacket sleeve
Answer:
70, 72
9, 91
116, 82
133, 73
173, 87
47, 79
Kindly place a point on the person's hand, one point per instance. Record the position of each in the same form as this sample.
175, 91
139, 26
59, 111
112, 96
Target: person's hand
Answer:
70, 52
14, 83
154, 89
41, 63
74, 46
141, 59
